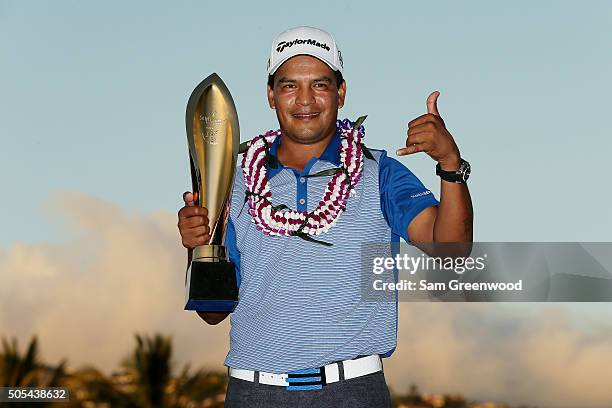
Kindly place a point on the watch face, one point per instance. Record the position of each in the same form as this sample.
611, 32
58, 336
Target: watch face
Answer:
465, 171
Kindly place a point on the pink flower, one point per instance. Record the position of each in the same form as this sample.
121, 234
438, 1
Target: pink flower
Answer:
334, 198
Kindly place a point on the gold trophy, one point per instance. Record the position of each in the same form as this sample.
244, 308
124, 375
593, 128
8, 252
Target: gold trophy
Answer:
214, 137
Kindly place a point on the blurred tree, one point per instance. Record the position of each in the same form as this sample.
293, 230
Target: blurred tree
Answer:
26, 370
414, 395
150, 363
88, 385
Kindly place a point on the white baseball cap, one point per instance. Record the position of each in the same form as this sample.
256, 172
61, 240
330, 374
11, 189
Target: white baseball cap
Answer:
305, 40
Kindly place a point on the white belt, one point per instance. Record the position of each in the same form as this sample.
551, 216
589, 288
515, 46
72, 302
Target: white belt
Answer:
328, 374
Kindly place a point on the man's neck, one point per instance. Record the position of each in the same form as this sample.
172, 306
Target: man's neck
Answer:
297, 155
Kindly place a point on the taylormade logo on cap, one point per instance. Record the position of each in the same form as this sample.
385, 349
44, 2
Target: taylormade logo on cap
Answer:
283, 44
305, 41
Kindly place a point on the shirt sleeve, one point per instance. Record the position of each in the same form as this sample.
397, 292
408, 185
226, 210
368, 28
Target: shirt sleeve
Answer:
233, 253
402, 195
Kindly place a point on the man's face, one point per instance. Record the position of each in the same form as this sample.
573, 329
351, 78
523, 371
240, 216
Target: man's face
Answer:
306, 98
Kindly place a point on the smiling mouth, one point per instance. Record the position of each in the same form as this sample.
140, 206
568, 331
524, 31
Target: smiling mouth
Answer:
305, 116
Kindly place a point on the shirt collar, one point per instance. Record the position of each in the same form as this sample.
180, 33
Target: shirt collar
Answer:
330, 154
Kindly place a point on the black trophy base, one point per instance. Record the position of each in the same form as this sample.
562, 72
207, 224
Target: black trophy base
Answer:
211, 287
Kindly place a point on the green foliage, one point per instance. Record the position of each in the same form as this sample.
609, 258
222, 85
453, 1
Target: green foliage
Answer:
150, 366
146, 380
17, 370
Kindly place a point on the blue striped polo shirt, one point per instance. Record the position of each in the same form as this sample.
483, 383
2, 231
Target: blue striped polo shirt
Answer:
300, 302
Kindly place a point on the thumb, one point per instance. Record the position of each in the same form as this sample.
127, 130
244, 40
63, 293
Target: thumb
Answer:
432, 103
190, 198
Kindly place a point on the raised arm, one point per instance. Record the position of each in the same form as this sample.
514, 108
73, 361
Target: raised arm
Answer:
452, 220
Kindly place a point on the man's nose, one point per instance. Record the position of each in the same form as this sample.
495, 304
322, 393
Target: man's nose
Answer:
305, 96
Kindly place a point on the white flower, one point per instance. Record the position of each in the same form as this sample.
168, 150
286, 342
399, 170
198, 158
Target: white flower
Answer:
338, 195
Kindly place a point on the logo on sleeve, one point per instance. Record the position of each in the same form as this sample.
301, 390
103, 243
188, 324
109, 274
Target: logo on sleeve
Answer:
421, 194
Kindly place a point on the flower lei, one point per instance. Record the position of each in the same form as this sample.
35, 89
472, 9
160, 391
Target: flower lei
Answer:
279, 220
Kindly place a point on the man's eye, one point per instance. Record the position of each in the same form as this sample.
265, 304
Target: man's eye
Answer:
321, 85
286, 86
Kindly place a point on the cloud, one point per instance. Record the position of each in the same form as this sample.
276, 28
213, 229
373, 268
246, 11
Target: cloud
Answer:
118, 273
490, 351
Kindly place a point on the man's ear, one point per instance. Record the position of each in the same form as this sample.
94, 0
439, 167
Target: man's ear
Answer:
341, 94
271, 97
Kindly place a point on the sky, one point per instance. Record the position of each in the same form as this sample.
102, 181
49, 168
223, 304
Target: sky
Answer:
92, 105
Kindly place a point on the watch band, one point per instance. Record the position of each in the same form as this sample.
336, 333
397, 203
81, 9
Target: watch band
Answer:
459, 176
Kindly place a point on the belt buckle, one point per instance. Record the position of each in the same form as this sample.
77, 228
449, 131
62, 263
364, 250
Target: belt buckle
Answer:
307, 379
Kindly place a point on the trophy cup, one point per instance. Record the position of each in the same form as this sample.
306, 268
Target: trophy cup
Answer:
213, 137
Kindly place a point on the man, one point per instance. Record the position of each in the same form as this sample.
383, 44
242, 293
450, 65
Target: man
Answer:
300, 336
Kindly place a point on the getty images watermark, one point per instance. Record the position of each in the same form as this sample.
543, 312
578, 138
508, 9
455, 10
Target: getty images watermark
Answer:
458, 265
487, 272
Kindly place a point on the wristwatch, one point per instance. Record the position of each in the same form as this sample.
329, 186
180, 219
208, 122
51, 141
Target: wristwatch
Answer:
458, 176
